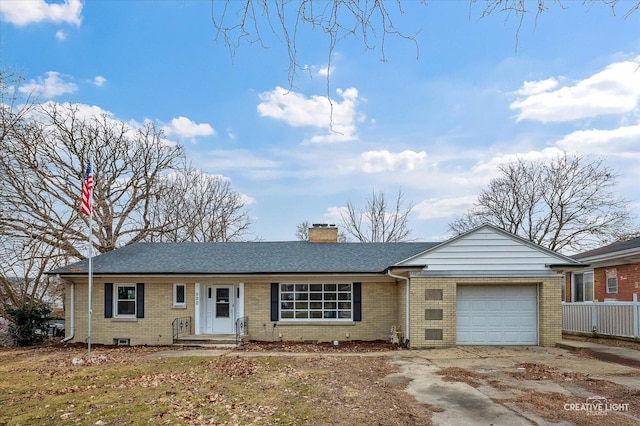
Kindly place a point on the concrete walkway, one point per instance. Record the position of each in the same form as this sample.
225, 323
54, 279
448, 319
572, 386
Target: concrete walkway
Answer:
617, 354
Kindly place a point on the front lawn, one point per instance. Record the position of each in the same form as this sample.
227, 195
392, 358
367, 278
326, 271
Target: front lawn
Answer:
121, 386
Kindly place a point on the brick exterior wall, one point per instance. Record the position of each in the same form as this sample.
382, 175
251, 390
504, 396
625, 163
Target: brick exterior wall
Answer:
383, 306
567, 287
153, 329
379, 314
423, 330
628, 282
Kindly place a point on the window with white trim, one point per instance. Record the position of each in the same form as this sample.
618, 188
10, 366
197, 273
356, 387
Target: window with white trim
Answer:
612, 281
316, 302
582, 286
179, 295
125, 300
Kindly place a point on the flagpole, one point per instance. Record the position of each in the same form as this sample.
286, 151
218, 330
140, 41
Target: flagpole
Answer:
87, 208
90, 285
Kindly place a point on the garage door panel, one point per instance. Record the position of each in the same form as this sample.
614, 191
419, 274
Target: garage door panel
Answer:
497, 315
478, 304
495, 305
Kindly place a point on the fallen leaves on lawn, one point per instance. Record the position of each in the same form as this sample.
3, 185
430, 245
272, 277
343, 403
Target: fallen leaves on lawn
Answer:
532, 371
233, 367
341, 347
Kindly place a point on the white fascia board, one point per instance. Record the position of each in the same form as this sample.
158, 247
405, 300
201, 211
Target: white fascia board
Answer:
485, 274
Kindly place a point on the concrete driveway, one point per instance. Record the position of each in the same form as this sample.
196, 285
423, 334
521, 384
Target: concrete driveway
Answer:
521, 386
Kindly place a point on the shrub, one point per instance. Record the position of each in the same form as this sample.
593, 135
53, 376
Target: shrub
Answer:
29, 324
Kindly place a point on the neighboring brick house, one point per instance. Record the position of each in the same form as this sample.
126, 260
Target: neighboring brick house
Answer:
613, 274
484, 287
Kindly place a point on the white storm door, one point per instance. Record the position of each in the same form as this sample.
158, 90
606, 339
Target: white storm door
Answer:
223, 317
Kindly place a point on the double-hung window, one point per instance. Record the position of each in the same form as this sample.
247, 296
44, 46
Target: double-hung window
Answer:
125, 303
612, 281
583, 286
124, 300
315, 302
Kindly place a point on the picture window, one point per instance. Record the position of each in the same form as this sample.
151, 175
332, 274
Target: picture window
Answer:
316, 302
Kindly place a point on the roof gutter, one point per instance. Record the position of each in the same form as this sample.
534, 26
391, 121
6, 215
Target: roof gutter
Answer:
567, 267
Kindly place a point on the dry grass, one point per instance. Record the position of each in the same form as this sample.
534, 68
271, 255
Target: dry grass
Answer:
125, 386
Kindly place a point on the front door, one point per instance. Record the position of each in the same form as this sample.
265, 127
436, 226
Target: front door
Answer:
219, 304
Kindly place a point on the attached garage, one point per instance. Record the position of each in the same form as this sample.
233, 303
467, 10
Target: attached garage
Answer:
497, 315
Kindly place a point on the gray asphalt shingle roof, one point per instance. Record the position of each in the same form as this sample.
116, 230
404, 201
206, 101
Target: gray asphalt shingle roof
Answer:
611, 248
248, 258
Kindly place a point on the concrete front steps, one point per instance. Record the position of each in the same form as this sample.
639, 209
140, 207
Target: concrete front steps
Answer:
220, 341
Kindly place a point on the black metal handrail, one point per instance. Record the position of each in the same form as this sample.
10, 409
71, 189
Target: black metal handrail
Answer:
180, 326
242, 325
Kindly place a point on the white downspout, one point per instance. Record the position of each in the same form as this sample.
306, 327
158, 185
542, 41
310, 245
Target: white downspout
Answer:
71, 315
408, 301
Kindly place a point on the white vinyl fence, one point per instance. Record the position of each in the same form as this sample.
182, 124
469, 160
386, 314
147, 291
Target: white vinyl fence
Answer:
611, 318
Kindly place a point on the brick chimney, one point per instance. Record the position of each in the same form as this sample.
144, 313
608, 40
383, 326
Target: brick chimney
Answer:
323, 233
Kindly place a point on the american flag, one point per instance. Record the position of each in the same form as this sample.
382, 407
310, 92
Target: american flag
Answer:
87, 187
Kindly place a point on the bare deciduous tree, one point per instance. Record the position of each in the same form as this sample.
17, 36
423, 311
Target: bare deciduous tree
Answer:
567, 203
24, 262
42, 169
369, 22
200, 207
44, 156
378, 220
245, 21
302, 230
45, 150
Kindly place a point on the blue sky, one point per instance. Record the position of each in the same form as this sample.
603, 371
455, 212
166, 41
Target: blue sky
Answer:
435, 122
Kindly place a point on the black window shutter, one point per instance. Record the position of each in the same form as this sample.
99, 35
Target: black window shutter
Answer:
275, 301
108, 300
357, 301
140, 300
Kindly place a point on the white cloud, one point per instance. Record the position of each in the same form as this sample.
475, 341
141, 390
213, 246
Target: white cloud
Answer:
255, 165
620, 142
534, 87
99, 81
336, 119
184, 127
320, 71
334, 214
21, 12
326, 71
487, 170
49, 87
61, 35
247, 199
385, 161
435, 208
614, 90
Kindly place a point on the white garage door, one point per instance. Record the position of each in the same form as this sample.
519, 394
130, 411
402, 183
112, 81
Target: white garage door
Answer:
497, 315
